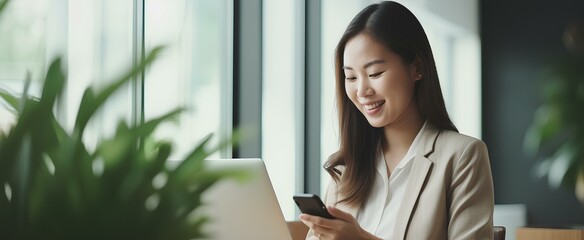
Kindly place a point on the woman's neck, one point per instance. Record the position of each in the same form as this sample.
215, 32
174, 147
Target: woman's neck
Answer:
398, 137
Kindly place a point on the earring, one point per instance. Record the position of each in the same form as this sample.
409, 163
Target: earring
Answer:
419, 77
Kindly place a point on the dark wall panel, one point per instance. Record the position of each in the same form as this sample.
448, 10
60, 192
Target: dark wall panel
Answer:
519, 38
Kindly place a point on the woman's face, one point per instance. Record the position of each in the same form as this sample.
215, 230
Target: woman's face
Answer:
377, 81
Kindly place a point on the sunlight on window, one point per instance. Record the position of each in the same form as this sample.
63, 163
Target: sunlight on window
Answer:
96, 40
194, 71
93, 38
282, 92
22, 47
99, 49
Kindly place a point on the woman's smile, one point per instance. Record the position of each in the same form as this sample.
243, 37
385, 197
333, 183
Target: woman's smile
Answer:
371, 106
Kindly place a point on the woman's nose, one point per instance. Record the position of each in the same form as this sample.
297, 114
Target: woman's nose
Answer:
364, 89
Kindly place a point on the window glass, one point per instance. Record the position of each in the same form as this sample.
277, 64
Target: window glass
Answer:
282, 99
22, 50
94, 39
99, 46
193, 72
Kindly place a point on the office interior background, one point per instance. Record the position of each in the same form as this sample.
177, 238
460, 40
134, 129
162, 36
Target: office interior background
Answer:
265, 68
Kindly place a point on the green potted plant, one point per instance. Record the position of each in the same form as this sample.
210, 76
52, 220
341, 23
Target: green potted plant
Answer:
556, 135
53, 187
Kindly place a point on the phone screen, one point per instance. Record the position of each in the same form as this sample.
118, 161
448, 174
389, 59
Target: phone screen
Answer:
311, 204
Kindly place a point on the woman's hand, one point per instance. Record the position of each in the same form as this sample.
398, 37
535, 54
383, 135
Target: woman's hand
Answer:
345, 226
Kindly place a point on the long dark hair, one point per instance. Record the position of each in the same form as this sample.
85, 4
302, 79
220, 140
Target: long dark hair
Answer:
399, 30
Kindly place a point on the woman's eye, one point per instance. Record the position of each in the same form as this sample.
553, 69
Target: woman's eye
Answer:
351, 78
375, 75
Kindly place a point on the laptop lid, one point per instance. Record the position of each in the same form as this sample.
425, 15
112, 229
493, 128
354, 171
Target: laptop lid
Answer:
244, 210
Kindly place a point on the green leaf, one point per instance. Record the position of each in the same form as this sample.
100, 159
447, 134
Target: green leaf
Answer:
547, 124
138, 185
148, 127
115, 149
559, 165
3, 4
87, 107
54, 82
192, 163
12, 100
91, 102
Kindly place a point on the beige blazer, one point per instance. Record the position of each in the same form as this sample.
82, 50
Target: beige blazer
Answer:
449, 193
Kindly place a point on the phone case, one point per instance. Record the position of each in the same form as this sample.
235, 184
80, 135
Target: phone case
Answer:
312, 204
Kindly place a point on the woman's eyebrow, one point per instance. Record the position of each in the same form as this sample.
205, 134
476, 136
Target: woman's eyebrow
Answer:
377, 61
366, 65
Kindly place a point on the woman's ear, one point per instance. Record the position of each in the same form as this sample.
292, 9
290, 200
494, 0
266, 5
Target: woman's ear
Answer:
417, 69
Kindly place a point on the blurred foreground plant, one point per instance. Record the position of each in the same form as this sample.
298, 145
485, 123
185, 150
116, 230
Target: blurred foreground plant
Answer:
53, 187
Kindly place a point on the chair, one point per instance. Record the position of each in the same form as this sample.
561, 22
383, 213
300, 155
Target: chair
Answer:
498, 233
299, 231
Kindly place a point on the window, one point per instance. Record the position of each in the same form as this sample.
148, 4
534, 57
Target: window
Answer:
194, 71
282, 98
99, 40
92, 37
24, 34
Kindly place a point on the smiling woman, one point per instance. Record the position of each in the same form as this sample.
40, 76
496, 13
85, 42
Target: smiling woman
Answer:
401, 159
453, 33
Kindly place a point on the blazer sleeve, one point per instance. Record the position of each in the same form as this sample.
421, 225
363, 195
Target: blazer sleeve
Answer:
471, 195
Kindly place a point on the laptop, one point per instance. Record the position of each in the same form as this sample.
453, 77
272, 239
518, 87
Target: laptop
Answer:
244, 210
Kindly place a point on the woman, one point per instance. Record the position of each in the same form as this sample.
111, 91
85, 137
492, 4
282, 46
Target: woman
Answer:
402, 170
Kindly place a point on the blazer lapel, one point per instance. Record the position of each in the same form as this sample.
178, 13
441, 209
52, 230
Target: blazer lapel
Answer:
420, 169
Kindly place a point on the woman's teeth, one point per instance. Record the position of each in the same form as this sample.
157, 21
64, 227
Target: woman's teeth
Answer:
374, 106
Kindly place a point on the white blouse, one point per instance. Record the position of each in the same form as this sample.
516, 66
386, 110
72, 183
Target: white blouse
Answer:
378, 215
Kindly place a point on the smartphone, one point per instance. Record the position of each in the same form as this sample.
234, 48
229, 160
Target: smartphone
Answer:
311, 204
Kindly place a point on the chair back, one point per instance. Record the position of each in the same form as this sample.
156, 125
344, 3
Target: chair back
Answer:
498, 233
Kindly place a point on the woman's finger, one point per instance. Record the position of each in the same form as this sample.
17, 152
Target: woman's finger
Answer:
340, 214
315, 220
